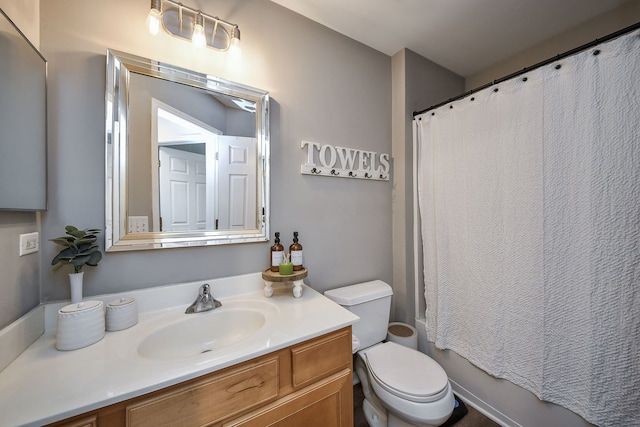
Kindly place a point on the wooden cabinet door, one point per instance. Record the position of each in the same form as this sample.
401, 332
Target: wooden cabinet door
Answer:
327, 403
320, 357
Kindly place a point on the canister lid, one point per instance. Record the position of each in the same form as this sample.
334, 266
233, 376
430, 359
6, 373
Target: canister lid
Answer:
121, 301
359, 293
80, 307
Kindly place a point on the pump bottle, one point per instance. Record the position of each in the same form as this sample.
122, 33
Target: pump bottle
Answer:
277, 253
296, 253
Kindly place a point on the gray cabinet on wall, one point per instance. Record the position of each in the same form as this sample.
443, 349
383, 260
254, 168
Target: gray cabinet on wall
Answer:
23, 121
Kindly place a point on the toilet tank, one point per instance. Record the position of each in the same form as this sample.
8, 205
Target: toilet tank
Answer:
371, 301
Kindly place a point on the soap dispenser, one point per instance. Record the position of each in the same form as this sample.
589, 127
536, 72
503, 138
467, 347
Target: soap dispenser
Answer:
277, 253
296, 253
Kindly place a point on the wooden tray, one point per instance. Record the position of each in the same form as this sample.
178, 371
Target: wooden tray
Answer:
271, 277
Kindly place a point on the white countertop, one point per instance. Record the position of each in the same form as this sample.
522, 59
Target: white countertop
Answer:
44, 385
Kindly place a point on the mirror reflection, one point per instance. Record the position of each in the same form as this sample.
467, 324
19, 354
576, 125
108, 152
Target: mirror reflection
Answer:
186, 157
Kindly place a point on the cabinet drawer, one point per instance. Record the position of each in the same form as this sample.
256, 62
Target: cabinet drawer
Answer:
321, 357
209, 400
90, 421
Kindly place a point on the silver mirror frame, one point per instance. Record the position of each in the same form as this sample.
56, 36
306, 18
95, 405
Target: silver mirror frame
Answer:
119, 67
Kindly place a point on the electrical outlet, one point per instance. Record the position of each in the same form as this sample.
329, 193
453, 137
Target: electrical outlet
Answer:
138, 224
29, 243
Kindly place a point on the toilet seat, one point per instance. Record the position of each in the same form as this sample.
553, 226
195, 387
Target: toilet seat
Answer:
407, 373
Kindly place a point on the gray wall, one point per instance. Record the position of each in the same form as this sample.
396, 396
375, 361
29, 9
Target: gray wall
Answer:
623, 16
417, 83
19, 282
324, 87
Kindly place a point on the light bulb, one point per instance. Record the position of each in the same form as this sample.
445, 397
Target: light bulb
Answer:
198, 38
234, 47
153, 18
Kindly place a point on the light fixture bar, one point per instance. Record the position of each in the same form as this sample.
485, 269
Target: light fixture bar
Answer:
203, 25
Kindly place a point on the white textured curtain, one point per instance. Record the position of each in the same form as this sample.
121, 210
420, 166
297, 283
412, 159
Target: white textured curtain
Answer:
529, 196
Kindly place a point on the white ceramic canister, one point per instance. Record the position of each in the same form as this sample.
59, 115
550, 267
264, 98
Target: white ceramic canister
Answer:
122, 314
80, 325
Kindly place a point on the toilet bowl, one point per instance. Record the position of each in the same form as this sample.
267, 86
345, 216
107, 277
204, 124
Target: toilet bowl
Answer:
402, 386
408, 383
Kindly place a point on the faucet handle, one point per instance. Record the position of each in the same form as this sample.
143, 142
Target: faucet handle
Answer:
205, 289
205, 293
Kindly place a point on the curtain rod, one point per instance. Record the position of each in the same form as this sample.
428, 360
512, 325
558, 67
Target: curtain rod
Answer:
533, 67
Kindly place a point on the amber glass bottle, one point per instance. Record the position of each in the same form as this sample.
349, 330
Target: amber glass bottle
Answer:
296, 253
277, 253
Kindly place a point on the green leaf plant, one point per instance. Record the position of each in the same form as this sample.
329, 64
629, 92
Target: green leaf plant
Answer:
80, 248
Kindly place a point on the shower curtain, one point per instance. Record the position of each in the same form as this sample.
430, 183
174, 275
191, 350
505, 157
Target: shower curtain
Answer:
529, 195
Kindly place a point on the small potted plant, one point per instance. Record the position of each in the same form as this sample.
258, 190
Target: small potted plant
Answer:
79, 248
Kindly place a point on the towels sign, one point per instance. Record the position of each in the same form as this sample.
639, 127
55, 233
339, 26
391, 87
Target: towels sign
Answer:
343, 162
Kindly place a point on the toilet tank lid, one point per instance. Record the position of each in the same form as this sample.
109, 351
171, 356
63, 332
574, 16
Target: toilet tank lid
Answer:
359, 293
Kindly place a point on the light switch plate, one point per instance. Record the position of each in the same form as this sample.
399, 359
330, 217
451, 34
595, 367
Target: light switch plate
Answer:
29, 243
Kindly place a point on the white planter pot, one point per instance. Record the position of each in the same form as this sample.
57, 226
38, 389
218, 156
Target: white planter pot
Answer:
75, 281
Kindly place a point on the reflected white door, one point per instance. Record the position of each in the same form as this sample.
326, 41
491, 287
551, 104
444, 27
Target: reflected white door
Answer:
237, 157
183, 190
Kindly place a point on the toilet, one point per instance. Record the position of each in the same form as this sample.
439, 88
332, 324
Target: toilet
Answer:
402, 387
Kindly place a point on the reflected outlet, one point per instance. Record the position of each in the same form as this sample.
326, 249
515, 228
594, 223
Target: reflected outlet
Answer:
138, 224
29, 243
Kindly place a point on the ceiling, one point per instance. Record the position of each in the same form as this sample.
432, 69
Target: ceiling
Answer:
464, 36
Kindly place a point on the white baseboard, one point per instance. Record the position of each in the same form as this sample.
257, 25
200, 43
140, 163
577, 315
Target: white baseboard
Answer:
483, 407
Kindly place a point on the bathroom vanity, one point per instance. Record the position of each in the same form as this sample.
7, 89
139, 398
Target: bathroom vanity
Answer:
305, 384
294, 368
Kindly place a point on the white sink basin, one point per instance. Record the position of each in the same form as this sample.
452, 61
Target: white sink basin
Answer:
200, 333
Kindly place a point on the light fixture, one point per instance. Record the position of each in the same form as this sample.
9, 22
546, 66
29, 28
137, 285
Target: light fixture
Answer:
187, 23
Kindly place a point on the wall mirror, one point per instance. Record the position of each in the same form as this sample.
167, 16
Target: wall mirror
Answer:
187, 157
23, 121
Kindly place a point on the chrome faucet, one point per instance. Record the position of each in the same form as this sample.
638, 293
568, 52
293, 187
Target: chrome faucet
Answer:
204, 302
